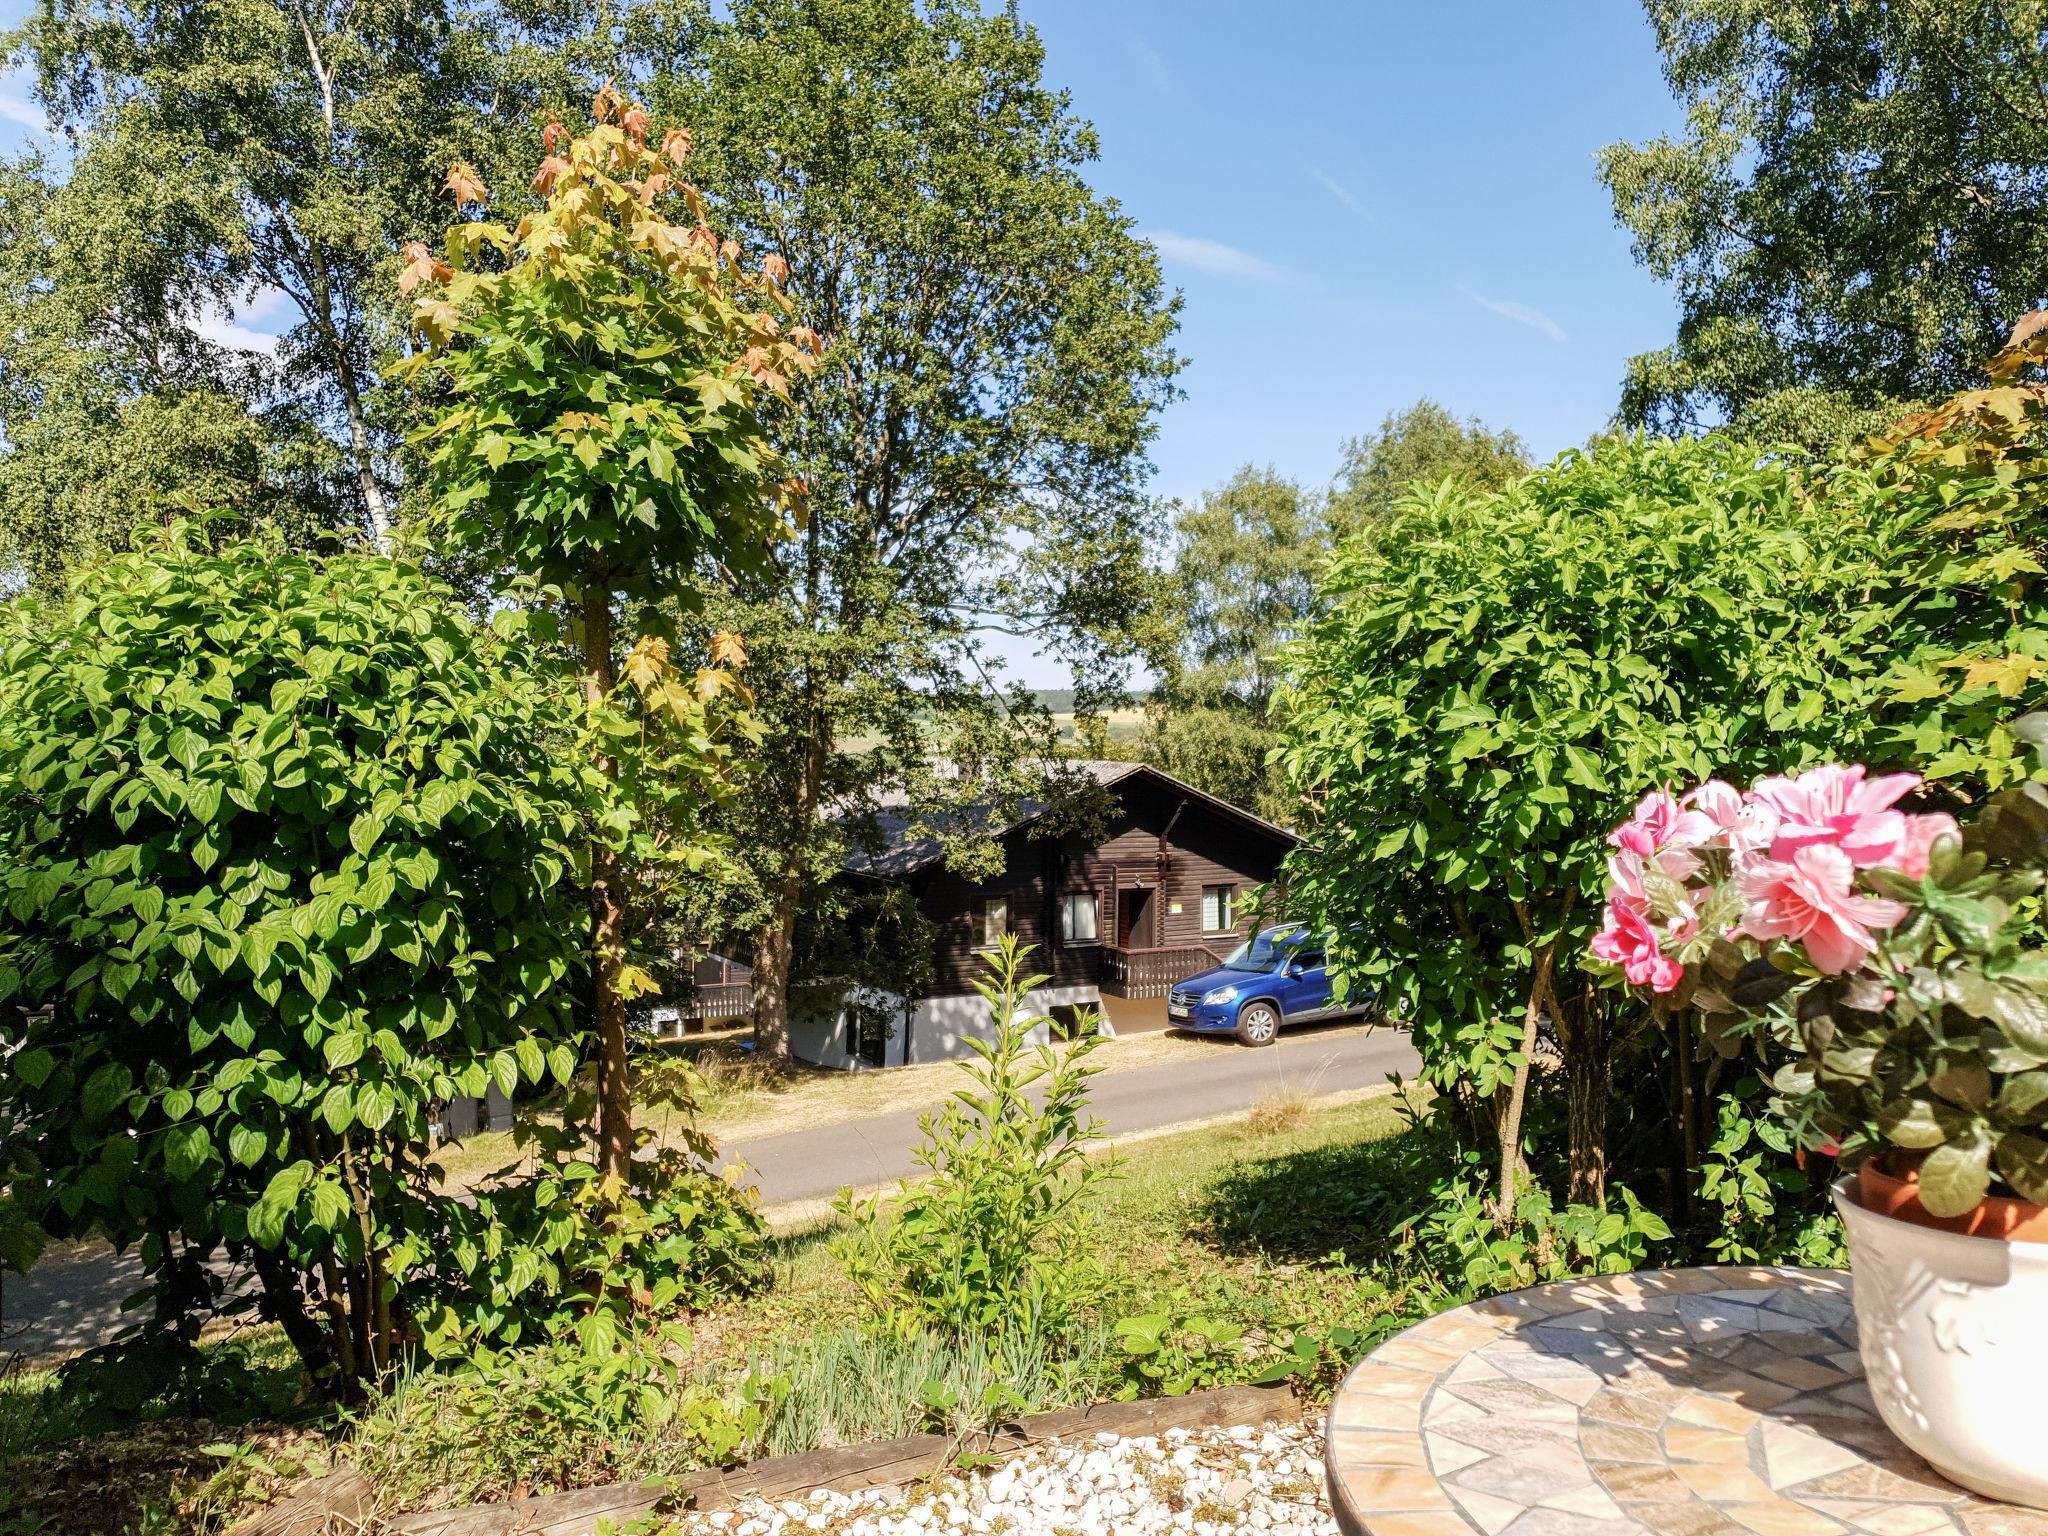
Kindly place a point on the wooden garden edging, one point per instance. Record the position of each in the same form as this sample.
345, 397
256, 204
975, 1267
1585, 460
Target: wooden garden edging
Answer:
341, 1503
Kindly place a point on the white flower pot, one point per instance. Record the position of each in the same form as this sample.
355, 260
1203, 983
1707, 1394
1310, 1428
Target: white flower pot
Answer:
1954, 1333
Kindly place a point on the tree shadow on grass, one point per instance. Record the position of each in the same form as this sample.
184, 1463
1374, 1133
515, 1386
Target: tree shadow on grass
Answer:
1354, 1198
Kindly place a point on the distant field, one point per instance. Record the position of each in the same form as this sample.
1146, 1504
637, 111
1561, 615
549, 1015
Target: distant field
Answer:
1124, 724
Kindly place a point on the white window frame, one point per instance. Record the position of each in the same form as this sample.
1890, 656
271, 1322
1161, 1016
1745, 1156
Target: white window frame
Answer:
987, 936
1226, 908
1067, 925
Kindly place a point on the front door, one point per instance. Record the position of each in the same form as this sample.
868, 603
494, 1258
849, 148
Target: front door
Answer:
1134, 917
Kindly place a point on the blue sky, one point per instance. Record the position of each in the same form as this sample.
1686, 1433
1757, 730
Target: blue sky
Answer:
1363, 203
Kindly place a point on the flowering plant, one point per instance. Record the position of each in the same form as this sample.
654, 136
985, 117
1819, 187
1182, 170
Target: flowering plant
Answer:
1887, 950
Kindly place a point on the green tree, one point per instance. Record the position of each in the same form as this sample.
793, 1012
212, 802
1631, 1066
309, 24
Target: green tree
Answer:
1854, 215
974, 438
107, 424
1423, 443
256, 151
291, 859
1493, 682
600, 369
1240, 588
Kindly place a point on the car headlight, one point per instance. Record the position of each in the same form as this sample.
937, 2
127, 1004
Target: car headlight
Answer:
1221, 995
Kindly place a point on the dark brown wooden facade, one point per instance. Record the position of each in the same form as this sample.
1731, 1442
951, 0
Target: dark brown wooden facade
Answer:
1169, 884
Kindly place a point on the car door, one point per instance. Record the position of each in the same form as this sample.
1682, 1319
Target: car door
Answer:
1305, 990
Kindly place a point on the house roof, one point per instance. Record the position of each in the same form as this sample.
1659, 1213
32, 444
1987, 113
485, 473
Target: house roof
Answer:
902, 854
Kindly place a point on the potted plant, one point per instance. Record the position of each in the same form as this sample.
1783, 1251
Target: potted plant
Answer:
1893, 959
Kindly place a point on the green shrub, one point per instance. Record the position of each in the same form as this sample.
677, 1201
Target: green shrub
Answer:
1172, 1352
292, 858
993, 1244
1464, 1234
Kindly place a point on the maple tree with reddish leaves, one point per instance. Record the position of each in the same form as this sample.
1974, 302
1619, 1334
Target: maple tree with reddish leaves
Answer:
602, 369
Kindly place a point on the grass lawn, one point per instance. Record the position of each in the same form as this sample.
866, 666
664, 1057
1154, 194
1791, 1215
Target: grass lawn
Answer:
1286, 1220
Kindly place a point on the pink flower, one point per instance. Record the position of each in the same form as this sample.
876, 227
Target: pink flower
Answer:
1916, 848
1835, 806
1625, 881
1812, 899
1630, 942
1659, 822
1717, 800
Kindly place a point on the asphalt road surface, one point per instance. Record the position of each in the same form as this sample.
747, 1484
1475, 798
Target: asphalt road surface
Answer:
72, 1300
1223, 1078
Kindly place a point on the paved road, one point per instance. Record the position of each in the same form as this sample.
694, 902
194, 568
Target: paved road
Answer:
73, 1301
1224, 1078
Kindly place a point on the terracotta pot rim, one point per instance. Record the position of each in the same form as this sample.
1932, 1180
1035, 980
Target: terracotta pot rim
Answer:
1998, 1219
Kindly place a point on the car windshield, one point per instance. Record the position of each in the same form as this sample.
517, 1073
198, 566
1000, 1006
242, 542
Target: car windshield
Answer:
1263, 951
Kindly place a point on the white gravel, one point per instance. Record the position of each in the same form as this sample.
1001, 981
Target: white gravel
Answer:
1202, 1482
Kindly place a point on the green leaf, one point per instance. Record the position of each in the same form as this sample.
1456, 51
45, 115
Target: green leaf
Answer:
104, 1090
337, 1108
2023, 1098
1580, 766
2023, 1163
1955, 1175
186, 1149
247, 1144
364, 831
33, 1066
1917, 1122
343, 1048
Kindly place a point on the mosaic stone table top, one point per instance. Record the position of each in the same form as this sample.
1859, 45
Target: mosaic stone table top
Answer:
1691, 1402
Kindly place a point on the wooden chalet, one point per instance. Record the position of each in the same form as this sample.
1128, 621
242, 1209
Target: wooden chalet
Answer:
1114, 920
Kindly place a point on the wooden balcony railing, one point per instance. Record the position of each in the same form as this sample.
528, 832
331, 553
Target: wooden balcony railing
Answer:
1152, 972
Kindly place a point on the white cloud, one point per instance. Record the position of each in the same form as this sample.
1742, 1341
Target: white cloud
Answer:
1339, 191
1521, 314
19, 108
235, 328
1214, 257
1154, 68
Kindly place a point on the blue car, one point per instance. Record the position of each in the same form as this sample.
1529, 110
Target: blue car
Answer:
1276, 977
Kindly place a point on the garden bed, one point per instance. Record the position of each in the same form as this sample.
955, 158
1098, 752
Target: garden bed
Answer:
883, 1469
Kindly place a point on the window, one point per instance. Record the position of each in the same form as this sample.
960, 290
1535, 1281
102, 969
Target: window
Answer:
1078, 917
992, 922
1219, 908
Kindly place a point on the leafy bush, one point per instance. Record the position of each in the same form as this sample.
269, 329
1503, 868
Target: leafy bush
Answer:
1463, 1234
292, 859
537, 1256
992, 1245
1172, 1352
1496, 679
1492, 680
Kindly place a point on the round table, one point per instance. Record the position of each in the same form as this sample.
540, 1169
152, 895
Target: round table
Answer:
1688, 1402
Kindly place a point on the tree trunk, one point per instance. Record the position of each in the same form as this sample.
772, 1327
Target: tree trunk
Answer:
775, 947
608, 912
1511, 1167
1588, 1074
770, 992
366, 471
285, 1302
1688, 1115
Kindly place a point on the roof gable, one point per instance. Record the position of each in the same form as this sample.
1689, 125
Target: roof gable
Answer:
902, 854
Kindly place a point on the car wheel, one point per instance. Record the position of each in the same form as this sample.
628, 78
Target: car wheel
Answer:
1258, 1024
